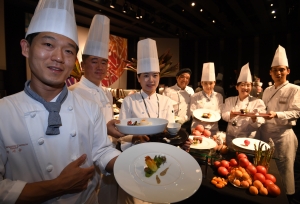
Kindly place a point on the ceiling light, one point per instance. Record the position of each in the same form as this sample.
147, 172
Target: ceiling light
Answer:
125, 7
271, 5
193, 4
213, 21
182, 10
201, 10
274, 16
273, 11
138, 13
112, 4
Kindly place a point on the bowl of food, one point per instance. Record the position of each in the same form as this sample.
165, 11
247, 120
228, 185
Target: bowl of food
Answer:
142, 126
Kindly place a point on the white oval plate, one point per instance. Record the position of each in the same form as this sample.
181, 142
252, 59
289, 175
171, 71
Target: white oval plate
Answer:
156, 125
207, 143
182, 180
215, 116
239, 142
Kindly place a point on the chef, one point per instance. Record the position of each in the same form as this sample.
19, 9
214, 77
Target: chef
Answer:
146, 103
181, 93
283, 103
242, 126
207, 98
95, 64
51, 138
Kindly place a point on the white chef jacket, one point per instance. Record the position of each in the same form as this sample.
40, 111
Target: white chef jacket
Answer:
108, 189
245, 127
182, 99
133, 106
286, 103
29, 155
99, 94
214, 102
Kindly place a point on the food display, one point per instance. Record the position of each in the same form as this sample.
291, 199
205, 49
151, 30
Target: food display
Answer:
239, 177
219, 182
206, 115
153, 164
199, 131
143, 122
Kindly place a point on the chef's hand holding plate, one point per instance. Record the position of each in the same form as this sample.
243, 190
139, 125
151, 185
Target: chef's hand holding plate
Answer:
187, 145
112, 130
137, 139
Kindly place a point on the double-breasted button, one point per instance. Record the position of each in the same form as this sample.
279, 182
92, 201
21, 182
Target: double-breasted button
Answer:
70, 108
49, 168
41, 141
73, 133
32, 115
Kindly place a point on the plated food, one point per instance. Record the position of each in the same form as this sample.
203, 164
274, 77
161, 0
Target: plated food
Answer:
207, 115
174, 181
153, 164
142, 126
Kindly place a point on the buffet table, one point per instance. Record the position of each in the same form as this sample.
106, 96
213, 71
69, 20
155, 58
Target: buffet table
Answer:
230, 194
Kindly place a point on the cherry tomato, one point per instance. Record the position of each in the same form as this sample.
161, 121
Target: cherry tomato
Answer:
217, 164
225, 163
233, 162
206, 133
196, 133
261, 169
273, 190
200, 128
267, 182
251, 169
223, 171
241, 155
270, 177
244, 162
259, 176
246, 142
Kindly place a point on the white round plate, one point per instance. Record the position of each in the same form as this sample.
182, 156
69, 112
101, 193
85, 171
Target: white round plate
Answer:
239, 142
215, 116
182, 179
156, 125
207, 143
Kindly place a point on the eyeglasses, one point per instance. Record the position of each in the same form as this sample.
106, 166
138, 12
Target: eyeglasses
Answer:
278, 70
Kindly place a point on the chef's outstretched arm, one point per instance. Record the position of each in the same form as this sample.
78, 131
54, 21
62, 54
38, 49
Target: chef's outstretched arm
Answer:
72, 179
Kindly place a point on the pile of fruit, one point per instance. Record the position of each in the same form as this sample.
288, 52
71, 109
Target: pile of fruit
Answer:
200, 131
219, 182
242, 173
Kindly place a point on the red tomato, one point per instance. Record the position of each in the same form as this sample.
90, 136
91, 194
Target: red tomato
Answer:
241, 155
206, 133
273, 190
223, 171
244, 162
225, 163
261, 169
267, 182
200, 128
259, 176
217, 164
270, 177
196, 133
251, 169
233, 162
246, 142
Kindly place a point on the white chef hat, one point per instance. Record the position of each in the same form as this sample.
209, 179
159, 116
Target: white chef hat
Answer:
208, 72
55, 16
147, 59
220, 76
98, 38
245, 74
280, 57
